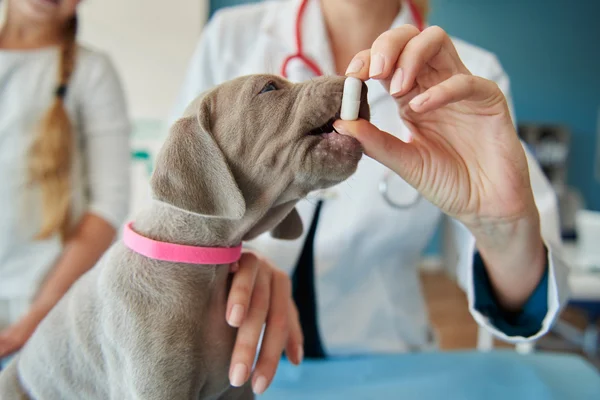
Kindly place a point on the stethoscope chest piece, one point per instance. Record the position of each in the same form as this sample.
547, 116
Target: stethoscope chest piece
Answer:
397, 193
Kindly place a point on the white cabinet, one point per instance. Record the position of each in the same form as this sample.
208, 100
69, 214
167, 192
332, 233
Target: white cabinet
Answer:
150, 42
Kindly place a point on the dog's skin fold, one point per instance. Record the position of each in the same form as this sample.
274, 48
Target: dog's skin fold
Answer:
232, 167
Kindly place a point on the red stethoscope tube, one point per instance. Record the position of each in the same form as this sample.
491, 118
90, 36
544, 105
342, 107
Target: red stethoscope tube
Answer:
312, 65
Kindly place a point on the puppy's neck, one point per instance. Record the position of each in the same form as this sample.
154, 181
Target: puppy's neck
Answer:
165, 223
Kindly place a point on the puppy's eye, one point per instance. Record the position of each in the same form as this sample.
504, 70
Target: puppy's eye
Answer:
268, 87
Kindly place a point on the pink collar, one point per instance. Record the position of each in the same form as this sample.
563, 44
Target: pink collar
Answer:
179, 253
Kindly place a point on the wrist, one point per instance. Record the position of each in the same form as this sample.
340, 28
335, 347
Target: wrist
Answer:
514, 255
503, 237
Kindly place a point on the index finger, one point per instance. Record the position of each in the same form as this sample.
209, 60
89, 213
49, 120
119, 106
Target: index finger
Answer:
402, 158
248, 335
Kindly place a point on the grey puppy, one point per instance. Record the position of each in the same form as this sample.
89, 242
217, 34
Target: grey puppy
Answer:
232, 167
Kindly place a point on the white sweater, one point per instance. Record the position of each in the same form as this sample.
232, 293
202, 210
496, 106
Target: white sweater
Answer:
96, 105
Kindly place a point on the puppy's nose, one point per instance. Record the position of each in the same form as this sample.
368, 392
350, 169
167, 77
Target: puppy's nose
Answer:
325, 83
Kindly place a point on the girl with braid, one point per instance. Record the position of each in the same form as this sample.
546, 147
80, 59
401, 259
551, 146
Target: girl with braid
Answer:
64, 161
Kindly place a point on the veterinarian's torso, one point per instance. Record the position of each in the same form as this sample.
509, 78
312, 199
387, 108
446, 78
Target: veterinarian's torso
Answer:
368, 289
27, 84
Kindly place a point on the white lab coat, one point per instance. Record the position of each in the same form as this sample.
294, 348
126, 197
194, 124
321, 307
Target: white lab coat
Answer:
369, 296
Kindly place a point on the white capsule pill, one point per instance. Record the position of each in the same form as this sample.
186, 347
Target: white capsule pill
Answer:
351, 99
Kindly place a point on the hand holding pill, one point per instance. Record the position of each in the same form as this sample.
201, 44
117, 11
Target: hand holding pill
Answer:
465, 156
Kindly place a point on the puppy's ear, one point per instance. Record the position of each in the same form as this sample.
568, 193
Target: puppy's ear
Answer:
192, 174
289, 228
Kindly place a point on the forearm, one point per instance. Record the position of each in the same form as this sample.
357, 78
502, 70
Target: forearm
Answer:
515, 258
83, 249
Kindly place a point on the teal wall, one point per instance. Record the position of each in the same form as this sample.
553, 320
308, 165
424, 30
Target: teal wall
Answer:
551, 51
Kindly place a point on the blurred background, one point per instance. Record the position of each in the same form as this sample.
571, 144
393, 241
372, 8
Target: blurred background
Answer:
544, 46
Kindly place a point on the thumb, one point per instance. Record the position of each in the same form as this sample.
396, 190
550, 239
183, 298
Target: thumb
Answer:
402, 158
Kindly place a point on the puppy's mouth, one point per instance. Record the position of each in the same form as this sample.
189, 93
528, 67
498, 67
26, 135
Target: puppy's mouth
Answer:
327, 127
329, 143
331, 156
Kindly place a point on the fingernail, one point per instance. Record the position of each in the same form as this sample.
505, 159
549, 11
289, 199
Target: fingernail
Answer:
339, 128
377, 64
355, 66
234, 267
238, 375
236, 315
260, 385
420, 100
300, 353
396, 83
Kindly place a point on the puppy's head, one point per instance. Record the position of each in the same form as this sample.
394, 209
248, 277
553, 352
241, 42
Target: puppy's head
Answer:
256, 141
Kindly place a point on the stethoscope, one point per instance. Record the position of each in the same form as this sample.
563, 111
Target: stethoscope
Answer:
385, 184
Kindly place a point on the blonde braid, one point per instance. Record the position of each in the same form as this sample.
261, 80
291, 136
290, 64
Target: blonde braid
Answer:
50, 155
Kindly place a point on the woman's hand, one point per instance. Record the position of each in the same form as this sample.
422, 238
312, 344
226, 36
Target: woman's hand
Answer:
92, 236
464, 156
261, 294
15, 336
